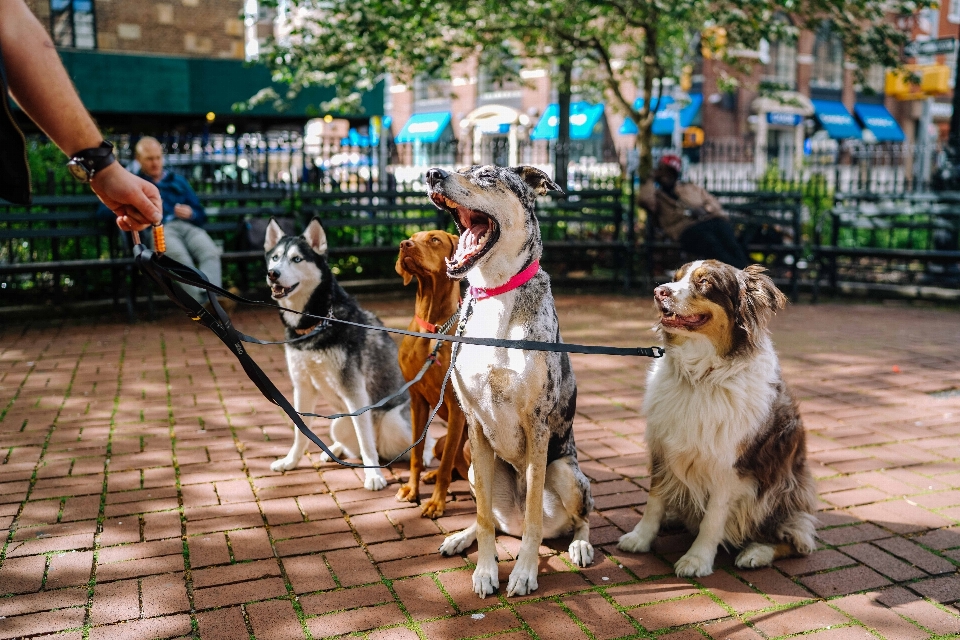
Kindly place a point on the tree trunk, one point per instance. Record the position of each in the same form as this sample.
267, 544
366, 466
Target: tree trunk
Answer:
562, 149
645, 127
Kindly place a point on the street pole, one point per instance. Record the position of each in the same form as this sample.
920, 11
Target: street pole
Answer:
953, 140
562, 149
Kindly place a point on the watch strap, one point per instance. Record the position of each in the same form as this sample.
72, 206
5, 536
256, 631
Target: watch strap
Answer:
96, 158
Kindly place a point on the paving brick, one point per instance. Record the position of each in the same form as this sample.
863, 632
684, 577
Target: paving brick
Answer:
274, 620
843, 633
206, 550
653, 591
677, 612
137, 568
550, 622
345, 599
917, 556
422, 598
799, 619
844, 581
900, 517
319, 507
944, 590
46, 545
235, 573
599, 616
816, 561
402, 633
168, 627
157, 526
140, 550
421, 564
873, 615
222, 624
238, 593
471, 625
115, 601
120, 530
308, 573
604, 571
375, 527
42, 601
335, 624
729, 630
864, 532
922, 611
22, 575
44, 622
163, 595
641, 565
734, 593
352, 567
296, 546
250, 544
883, 562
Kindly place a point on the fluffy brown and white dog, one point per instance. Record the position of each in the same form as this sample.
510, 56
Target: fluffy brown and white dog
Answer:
726, 442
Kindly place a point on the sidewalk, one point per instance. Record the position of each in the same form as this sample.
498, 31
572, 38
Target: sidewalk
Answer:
135, 484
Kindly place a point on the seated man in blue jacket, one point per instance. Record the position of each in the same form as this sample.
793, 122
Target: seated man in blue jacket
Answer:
183, 218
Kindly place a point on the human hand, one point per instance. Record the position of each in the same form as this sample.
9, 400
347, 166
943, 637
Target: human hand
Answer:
135, 201
698, 213
183, 211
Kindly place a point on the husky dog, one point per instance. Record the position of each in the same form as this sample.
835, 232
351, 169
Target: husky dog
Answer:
351, 367
519, 405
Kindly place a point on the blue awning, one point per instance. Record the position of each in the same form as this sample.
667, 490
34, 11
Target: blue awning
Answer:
836, 119
663, 120
425, 127
584, 118
876, 118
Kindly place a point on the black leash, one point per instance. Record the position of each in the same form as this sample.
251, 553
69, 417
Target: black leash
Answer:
187, 275
164, 271
158, 268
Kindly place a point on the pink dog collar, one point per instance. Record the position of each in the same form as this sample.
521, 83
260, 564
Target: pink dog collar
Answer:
482, 293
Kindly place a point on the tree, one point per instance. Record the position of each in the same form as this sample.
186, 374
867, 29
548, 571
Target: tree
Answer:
615, 44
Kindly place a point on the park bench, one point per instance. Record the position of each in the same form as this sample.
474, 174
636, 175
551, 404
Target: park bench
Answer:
768, 223
889, 242
59, 243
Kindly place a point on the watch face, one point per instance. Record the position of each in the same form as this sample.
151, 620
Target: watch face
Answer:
78, 171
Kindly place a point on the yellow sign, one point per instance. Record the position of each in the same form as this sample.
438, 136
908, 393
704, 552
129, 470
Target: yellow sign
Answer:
934, 80
692, 137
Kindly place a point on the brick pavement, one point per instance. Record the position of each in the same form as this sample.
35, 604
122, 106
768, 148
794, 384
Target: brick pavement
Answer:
136, 490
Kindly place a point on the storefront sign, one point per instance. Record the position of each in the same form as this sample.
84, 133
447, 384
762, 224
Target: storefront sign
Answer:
784, 119
930, 47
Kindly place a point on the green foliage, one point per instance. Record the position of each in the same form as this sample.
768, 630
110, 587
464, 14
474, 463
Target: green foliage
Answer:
46, 159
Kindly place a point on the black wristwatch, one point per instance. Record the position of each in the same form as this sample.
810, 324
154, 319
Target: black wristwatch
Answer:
83, 165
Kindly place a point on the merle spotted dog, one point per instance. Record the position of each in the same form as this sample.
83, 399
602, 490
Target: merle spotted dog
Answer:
351, 367
519, 404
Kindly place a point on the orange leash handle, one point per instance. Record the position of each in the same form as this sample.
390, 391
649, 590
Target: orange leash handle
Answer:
159, 242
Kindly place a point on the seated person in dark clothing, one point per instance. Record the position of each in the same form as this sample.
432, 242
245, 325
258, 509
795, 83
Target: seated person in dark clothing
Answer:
689, 214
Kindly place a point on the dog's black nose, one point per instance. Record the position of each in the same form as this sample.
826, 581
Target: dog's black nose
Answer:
662, 292
273, 274
435, 175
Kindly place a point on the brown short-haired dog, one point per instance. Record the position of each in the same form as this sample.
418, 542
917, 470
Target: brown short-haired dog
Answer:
424, 256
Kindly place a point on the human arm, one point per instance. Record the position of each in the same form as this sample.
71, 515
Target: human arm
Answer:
42, 88
190, 209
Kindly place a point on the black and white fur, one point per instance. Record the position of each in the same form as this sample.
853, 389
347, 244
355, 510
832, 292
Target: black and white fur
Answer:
726, 442
519, 405
349, 366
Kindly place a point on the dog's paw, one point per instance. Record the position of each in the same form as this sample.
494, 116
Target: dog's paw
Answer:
430, 477
755, 555
336, 448
486, 581
634, 542
693, 566
523, 580
581, 553
407, 493
374, 481
284, 464
433, 508
456, 543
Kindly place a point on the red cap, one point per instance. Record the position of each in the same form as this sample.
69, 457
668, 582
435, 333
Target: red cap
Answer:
672, 161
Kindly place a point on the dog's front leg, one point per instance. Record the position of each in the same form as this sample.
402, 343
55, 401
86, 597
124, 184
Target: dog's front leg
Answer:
698, 561
419, 412
523, 578
643, 535
367, 442
304, 400
485, 577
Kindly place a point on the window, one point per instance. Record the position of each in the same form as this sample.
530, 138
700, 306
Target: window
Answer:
499, 75
875, 79
827, 60
953, 11
73, 24
430, 88
782, 68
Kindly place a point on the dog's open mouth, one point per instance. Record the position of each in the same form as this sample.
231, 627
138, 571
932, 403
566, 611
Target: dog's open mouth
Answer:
674, 321
478, 233
278, 291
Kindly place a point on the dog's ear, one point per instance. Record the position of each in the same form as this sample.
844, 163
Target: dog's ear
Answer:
454, 241
273, 235
401, 271
759, 300
316, 237
539, 181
